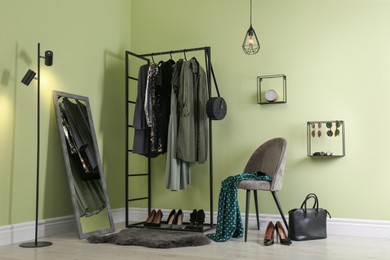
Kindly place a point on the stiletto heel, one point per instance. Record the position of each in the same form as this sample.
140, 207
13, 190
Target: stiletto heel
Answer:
269, 234
171, 217
150, 218
178, 218
284, 240
157, 219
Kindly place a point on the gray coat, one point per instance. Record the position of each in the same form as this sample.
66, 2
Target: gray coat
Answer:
192, 137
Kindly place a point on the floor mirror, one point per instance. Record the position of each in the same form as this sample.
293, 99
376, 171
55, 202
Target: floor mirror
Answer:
83, 165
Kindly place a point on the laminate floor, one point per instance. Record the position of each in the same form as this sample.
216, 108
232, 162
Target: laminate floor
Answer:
69, 247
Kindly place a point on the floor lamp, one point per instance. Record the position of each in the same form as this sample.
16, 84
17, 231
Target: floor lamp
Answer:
30, 75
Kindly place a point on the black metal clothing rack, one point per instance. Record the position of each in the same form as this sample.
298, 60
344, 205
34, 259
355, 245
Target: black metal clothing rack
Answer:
143, 57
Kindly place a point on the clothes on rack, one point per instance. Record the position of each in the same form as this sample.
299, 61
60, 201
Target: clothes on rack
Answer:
141, 131
170, 117
178, 172
192, 136
152, 110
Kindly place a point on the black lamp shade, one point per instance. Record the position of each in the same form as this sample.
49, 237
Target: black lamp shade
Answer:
48, 58
28, 77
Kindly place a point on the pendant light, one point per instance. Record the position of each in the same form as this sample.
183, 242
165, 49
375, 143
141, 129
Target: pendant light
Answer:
251, 43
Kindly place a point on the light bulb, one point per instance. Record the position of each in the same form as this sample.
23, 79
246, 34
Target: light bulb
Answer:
250, 40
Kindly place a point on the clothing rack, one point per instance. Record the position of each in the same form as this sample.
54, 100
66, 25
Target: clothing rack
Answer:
209, 72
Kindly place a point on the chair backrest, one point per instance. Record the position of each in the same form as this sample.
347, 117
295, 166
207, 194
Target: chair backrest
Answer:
270, 158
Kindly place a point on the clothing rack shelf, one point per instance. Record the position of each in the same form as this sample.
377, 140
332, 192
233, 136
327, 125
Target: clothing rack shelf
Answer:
146, 58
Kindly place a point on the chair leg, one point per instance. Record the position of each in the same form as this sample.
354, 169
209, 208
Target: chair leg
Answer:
257, 209
279, 208
248, 197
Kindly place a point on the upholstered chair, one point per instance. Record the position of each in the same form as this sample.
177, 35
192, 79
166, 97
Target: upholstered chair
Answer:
268, 158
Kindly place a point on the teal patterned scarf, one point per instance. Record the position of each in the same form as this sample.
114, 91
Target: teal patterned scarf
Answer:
229, 223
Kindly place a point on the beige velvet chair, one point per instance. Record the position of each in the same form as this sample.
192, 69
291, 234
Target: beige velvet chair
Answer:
269, 158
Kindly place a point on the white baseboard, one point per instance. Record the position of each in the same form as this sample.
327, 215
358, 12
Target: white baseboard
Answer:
339, 226
17, 233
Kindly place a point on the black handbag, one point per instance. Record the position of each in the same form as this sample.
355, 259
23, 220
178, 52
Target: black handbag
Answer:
216, 107
307, 223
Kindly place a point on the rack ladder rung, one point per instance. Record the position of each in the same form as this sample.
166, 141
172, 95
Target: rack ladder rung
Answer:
137, 174
135, 199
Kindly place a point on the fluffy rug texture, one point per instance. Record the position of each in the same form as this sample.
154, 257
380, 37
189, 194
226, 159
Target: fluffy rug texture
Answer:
152, 238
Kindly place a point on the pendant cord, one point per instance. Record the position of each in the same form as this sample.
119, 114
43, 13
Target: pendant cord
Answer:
251, 12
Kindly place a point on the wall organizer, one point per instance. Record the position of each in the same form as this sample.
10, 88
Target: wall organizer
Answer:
141, 59
272, 89
326, 138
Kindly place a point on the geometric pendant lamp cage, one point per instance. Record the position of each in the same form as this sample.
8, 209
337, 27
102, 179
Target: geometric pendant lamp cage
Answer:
251, 44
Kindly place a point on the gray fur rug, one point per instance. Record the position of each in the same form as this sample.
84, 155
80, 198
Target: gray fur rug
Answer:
152, 238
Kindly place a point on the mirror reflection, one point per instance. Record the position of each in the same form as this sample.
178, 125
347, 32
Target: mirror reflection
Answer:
83, 165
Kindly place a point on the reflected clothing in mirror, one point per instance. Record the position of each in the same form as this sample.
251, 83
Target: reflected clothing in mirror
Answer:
82, 156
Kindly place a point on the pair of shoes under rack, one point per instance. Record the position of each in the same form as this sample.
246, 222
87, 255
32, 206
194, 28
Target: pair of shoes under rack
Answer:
281, 234
154, 219
175, 218
196, 220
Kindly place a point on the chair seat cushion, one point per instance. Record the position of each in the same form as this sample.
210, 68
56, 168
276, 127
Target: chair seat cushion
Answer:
254, 185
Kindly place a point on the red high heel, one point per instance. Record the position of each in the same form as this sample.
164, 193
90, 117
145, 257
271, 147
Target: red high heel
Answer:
157, 219
150, 218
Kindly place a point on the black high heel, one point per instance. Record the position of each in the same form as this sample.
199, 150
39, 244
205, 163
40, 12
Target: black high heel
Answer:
150, 218
192, 219
269, 234
178, 218
157, 219
284, 240
171, 217
200, 216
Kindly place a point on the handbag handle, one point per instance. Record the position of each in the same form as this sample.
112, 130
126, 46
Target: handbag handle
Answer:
212, 73
315, 205
215, 81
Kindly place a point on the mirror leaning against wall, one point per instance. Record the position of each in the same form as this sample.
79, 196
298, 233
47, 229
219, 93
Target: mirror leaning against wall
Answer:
83, 165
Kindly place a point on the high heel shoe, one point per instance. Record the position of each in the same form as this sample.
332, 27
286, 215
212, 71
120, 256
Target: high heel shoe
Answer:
269, 234
284, 240
157, 219
171, 217
178, 218
150, 218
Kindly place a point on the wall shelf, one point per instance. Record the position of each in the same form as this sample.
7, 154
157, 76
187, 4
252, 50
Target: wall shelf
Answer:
326, 139
272, 89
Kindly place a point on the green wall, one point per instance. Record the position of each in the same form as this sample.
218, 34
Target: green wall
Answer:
335, 55
88, 39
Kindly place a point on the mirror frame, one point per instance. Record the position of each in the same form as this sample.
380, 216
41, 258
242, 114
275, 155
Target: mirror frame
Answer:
56, 96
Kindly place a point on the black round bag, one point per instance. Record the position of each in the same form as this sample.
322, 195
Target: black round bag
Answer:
216, 108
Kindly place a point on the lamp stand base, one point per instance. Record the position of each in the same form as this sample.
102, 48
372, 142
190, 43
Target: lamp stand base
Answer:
35, 244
